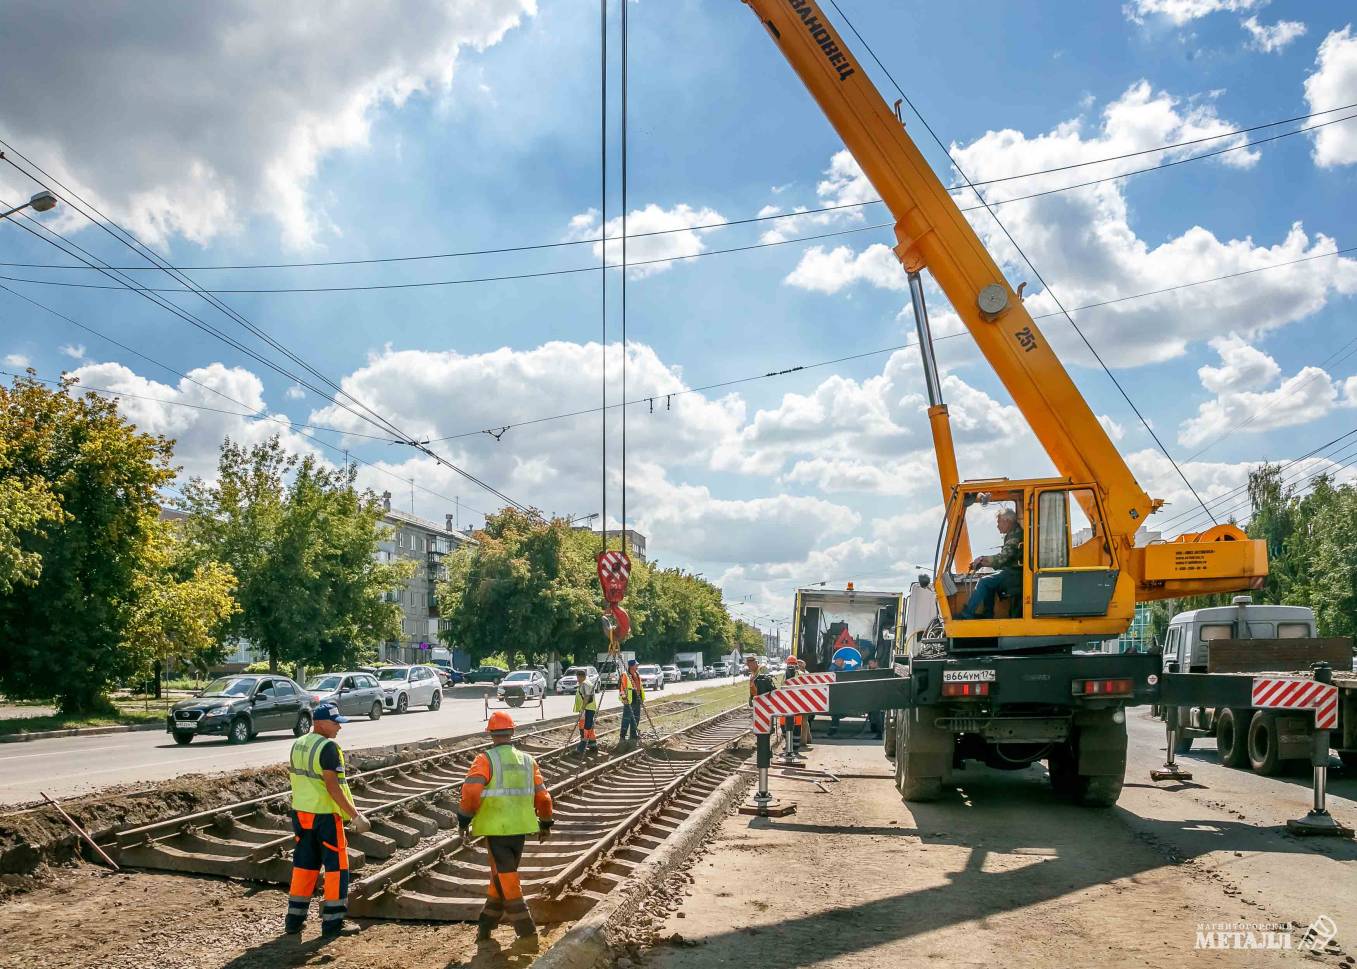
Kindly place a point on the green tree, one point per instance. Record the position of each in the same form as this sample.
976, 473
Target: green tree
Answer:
181, 611
63, 626
302, 544
27, 505
747, 638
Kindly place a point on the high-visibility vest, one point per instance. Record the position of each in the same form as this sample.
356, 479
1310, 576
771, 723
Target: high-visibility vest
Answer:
629, 687
507, 802
581, 704
308, 780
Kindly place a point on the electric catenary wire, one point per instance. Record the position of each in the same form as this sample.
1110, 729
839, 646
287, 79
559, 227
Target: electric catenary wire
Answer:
1030, 265
603, 261
135, 245
985, 205
530, 247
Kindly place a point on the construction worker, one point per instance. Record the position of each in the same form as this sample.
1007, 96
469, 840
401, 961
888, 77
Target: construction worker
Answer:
751, 665
586, 705
504, 800
632, 693
876, 719
805, 721
794, 725
321, 802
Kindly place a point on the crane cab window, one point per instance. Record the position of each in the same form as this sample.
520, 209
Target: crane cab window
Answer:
1293, 630
1075, 569
1217, 630
986, 558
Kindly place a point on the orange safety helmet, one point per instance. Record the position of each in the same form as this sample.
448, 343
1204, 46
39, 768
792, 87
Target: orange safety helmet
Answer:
500, 722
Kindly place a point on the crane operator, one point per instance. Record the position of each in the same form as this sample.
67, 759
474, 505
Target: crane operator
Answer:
1007, 563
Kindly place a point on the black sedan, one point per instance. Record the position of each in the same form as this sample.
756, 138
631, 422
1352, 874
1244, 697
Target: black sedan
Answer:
240, 707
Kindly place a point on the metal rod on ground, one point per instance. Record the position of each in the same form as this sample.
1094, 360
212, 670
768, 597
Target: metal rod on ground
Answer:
1319, 821
80, 831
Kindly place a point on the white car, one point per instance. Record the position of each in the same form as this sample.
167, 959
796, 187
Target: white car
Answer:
652, 677
570, 680
404, 687
672, 674
520, 686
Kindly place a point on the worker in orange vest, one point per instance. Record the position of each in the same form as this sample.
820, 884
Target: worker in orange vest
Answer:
504, 800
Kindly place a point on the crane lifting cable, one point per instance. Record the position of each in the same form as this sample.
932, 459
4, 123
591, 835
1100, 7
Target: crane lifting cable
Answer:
614, 565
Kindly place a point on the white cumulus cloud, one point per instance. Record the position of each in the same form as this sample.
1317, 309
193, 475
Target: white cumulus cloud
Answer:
1270, 38
17, 360
830, 270
1334, 83
675, 240
176, 119
1246, 401
1180, 12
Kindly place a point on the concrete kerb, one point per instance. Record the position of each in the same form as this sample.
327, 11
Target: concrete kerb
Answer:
585, 945
19, 738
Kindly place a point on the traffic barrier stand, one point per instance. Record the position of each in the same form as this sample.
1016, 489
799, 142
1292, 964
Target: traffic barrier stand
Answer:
786, 702
541, 707
1171, 771
1321, 695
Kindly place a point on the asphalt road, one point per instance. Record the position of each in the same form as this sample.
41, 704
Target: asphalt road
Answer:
72, 765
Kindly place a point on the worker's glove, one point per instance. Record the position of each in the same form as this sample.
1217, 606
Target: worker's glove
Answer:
359, 824
463, 823
545, 831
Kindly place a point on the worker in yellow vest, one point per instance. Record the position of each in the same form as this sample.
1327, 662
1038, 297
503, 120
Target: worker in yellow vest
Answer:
504, 800
632, 691
320, 804
586, 705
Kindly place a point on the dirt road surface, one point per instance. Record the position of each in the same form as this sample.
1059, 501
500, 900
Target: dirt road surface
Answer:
996, 874
999, 874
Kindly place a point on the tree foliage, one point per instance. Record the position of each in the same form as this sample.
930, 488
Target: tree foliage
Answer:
182, 608
88, 481
1311, 536
302, 544
529, 588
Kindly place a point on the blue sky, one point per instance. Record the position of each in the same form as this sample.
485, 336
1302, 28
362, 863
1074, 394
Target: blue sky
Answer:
236, 137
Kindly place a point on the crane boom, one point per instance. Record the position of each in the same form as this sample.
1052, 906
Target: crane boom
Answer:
933, 233
1092, 585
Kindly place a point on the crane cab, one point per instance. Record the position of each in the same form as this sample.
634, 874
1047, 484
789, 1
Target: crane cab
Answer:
1030, 565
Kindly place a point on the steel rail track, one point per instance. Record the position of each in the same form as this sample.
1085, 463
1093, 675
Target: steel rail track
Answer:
406, 802
609, 817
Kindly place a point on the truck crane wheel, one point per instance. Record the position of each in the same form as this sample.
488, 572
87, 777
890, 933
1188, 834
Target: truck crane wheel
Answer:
1348, 757
1263, 744
923, 754
1232, 737
1090, 768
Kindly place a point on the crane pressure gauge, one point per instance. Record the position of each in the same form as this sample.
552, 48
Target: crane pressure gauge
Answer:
993, 300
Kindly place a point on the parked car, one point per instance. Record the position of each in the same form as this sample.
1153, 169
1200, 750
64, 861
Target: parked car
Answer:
672, 673
355, 694
487, 674
652, 677
240, 707
570, 679
719, 670
448, 673
404, 687
520, 686
706, 673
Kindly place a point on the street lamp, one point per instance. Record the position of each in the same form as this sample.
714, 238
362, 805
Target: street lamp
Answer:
41, 202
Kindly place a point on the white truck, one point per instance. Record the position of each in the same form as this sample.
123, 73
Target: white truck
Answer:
611, 665
689, 664
1259, 639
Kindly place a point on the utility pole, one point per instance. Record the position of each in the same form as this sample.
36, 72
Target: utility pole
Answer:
412, 497
457, 512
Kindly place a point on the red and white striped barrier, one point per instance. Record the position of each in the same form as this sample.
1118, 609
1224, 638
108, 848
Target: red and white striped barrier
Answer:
1289, 693
788, 701
812, 679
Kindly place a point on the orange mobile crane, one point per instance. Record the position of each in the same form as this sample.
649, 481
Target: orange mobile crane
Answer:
1020, 684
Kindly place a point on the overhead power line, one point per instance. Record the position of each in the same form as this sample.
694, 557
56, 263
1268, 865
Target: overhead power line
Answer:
123, 236
751, 220
1025, 258
985, 205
